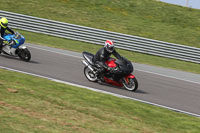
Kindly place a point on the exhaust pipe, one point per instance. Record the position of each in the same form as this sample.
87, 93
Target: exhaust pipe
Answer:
87, 64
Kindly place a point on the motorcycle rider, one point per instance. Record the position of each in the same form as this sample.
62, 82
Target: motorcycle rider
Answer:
103, 55
3, 28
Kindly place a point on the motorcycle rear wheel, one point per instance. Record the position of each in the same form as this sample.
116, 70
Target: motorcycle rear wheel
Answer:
89, 74
25, 55
130, 84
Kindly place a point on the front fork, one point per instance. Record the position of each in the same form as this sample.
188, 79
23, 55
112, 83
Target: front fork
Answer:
19, 49
130, 76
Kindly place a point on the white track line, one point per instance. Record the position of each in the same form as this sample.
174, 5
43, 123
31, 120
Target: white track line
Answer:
168, 76
96, 90
135, 69
56, 52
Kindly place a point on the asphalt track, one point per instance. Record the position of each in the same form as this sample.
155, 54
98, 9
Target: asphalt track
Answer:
166, 87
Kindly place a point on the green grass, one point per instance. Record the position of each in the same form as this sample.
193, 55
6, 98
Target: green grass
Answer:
77, 46
32, 104
146, 18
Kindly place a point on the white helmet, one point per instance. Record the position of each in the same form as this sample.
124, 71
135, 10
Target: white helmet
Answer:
109, 46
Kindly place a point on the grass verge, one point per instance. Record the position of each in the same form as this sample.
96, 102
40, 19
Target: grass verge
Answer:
32, 104
146, 18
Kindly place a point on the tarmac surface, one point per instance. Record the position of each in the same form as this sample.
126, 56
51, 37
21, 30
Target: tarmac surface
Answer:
171, 88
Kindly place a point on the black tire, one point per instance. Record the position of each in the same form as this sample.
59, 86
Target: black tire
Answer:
132, 84
25, 54
90, 75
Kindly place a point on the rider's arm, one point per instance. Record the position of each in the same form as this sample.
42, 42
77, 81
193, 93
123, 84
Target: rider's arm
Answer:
1, 35
116, 54
10, 30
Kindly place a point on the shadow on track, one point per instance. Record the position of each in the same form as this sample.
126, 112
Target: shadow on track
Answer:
121, 88
18, 59
141, 92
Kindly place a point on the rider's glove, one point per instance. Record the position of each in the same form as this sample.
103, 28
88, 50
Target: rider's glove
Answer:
5, 42
116, 69
111, 69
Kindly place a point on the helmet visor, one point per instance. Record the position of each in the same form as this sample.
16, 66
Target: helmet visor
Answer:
110, 49
5, 25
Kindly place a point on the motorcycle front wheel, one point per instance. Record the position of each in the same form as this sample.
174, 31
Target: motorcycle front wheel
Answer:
89, 74
130, 84
25, 54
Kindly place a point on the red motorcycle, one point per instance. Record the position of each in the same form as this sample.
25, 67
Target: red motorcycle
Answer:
121, 75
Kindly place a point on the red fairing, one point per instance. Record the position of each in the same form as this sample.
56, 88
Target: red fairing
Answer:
111, 63
107, 80
130, 76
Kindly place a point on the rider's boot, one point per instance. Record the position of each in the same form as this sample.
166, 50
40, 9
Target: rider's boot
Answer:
100, 75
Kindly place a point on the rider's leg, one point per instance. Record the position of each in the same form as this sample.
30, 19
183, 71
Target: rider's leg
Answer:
1, 45
101, 70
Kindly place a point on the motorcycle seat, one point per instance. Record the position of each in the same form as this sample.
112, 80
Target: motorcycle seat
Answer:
89, 57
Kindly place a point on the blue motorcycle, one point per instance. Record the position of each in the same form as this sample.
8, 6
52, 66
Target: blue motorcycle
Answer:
14, 46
